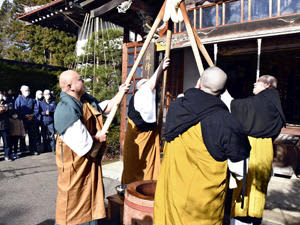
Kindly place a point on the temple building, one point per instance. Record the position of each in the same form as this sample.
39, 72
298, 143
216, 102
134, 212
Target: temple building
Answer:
246, 38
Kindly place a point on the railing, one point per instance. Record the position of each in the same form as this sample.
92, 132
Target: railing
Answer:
237, 11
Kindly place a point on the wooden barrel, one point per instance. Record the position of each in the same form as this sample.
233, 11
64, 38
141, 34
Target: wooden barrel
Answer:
286, 151
139, 203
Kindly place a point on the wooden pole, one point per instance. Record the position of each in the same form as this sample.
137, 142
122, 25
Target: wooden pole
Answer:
191, 37
203, 49
164, 83
135, 66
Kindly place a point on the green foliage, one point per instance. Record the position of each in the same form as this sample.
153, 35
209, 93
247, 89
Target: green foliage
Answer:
101, 65
13, 76
22, 42
102, 62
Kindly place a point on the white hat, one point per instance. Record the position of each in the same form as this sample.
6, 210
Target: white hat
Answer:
46, 92
38, 92
24, 88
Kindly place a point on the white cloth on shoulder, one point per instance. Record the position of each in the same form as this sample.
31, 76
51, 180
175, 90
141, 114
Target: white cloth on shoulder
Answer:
78, 138
144, 103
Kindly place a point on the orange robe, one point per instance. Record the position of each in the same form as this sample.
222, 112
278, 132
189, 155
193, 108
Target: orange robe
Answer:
141, 155
80, 195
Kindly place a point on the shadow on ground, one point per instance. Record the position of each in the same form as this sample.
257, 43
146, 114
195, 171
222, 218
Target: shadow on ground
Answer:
47, 222
288, 199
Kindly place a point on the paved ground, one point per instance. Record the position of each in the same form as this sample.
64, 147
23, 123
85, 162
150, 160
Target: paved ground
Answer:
283, 201
28, 192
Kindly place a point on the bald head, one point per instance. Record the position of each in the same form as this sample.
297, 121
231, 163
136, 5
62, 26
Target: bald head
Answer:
71, 83
212, 81
66, 78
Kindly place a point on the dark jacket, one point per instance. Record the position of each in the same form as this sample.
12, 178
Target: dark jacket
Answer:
43, 107
4, 117
261, 115
37, 110
223, 135
10, 100
24, 106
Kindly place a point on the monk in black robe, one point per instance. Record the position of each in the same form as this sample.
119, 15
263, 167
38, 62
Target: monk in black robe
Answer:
200, 136
262, 118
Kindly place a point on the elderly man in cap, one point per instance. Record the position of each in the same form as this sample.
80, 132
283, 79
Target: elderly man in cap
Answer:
262, 118
24, 104
46, 109
37, 114
141, 154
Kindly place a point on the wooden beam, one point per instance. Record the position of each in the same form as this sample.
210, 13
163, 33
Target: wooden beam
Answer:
87, 2
123, 109
191, 36
203, 49
105, 8
164, 82
69, 18
242, 11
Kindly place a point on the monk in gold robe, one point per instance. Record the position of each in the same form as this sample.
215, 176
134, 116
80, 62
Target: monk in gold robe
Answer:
79, 149
200, 135
141, 156
262, 118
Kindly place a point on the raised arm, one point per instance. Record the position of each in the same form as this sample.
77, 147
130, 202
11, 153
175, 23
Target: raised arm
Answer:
152, 82
122, 89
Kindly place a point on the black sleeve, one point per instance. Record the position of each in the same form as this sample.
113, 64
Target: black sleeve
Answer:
244, 112
224, 137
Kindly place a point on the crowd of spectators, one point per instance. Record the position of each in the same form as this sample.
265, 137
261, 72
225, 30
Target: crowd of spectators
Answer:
23, 116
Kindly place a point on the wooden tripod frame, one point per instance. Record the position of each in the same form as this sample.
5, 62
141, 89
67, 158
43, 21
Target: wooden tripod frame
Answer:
195, 43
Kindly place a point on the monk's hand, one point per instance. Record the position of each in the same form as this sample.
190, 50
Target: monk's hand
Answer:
124, 88
100, 136
165, 64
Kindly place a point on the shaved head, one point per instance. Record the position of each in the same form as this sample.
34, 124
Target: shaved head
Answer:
71, 83
66, 77
212, 81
